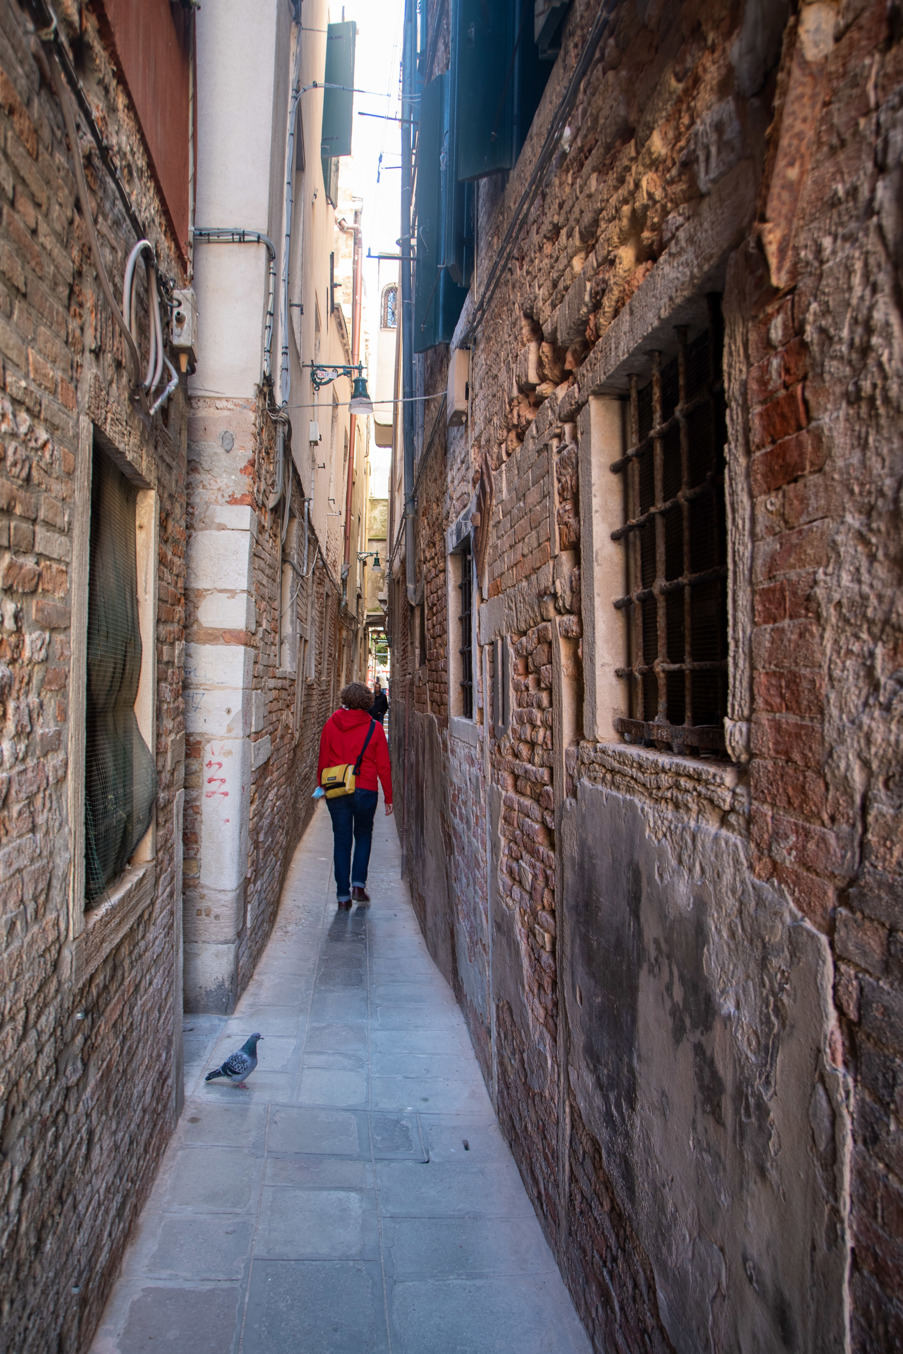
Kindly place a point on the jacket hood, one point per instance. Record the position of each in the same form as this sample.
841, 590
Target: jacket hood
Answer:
346, 720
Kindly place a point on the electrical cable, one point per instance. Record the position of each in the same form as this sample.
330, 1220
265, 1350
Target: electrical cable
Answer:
46, 30
60, 69
65, 100
528, 197
156, 353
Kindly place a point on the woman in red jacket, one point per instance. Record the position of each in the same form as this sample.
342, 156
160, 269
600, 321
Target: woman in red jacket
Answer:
352, 815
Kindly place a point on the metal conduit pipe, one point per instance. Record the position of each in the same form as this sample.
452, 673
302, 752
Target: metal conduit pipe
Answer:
356, 296
283, 487
156, 353
407, 300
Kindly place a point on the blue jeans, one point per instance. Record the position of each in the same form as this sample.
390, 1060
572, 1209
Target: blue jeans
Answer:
352, 816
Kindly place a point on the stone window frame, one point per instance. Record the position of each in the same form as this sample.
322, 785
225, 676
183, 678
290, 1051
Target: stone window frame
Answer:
652, 712
698, 262
418, 628
459, 543
94, 932
501, 686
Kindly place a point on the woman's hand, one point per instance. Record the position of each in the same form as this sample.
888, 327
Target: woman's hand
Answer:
388, 809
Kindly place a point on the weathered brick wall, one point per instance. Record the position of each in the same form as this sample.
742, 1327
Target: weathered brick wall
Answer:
825, 415
781, 136
86, 1098
281, 785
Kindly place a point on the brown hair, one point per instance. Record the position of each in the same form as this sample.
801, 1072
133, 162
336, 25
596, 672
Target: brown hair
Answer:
356, 696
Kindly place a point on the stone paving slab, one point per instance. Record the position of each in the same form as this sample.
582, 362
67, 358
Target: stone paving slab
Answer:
358, 1198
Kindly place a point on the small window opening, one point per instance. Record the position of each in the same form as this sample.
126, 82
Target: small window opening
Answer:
675, 539
120, 776
466, 649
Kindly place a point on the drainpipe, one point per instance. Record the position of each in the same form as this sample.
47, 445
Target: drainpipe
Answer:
407, 300
356, 293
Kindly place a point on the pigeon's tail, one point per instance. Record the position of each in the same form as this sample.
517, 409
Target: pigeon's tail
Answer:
211, 1075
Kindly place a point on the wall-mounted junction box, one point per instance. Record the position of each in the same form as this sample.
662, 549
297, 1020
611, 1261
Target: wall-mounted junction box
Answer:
458, 377
185, 327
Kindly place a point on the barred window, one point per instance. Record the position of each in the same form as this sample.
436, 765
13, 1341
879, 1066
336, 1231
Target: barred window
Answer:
675, 542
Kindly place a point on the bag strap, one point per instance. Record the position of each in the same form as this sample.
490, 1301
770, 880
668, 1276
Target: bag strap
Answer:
357, 764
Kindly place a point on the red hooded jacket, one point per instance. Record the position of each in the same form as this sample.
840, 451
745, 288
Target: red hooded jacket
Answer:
341, 742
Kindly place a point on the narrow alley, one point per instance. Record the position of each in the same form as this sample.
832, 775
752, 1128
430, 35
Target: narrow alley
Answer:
521, 379
359, 1197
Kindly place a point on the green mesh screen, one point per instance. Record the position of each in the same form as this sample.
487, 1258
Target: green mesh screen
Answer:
120, 779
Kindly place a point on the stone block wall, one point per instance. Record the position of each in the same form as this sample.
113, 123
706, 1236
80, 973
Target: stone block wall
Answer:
90, 1002
254, 724
694, 987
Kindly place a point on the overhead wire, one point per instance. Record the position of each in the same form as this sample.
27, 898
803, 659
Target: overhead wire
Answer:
552, 139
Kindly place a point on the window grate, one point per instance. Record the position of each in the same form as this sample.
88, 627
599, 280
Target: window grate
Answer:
466, 649
675, 540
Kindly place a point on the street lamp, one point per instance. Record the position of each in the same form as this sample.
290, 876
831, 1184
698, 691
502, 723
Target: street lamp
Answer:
322, 374
369, 554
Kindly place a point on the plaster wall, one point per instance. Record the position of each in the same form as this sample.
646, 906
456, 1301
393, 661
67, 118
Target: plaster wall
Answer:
236, 51
699, 1007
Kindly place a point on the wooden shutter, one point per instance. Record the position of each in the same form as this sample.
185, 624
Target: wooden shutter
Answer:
338, 104
437, 297
483, 50
498, 77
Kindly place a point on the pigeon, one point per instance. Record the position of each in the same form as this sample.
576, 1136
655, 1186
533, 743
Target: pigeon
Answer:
239, 1065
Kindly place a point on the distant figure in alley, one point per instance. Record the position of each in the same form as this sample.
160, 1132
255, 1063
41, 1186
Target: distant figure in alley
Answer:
380, 706
352, 738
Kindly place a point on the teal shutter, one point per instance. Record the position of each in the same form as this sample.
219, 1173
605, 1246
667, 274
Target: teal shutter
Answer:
483, 49
498, 78
437, 297
338, 104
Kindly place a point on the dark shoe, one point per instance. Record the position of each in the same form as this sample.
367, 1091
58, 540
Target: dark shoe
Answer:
359, 895
344, 902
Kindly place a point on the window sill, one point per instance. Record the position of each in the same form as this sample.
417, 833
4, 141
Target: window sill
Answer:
465, 730
108, 922
715, 791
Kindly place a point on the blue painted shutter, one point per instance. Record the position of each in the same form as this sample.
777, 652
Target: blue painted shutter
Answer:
338, 104
437, 297
483, 50
499, 78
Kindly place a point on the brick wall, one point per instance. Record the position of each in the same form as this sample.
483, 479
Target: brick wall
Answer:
683, 133
90, 1061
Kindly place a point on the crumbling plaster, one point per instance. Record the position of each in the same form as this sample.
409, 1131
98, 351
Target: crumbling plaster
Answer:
699, 1010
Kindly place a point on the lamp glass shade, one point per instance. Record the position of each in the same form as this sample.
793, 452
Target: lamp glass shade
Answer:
360, 397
